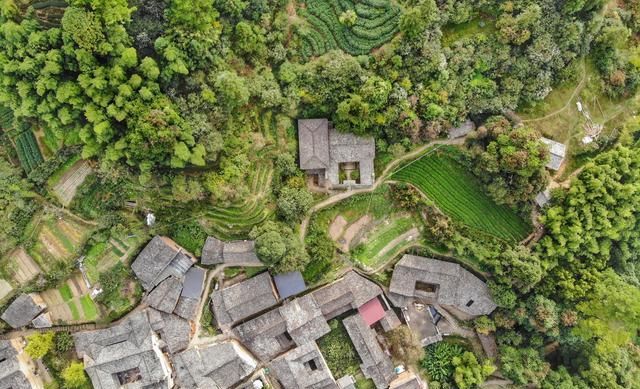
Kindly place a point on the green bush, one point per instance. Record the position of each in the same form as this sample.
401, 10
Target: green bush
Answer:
438, 360
189, 235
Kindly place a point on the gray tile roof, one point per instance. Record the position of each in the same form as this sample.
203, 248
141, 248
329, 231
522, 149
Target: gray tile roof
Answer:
165, 296
324, 148
160, 259
301, 319
243, 300
557, 153
187, 308
349, 292
11, 377
456, 287
345, 147
212, 251
313, 142
346, 382
543, 198
222, 365
303, 367
21, 311
174, 331
126, 347
375, 363
240, 252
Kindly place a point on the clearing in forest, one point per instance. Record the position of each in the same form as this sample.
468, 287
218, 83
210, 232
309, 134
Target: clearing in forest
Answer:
376, 23
459, 194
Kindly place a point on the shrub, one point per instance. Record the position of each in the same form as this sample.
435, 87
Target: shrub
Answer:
438, 360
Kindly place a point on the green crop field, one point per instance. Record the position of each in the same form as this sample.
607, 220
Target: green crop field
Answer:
458, 194
28, 151
88, 307
380, 237
376, 24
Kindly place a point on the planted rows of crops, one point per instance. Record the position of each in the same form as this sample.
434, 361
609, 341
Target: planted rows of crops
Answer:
28, 151
458, 194
377, 23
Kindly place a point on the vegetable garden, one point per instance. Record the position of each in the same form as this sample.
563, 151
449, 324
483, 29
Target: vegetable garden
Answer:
458, 194
376, 24
28, 151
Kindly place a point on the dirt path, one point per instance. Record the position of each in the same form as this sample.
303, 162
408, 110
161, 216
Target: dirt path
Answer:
352, 231
337, 228
385, 173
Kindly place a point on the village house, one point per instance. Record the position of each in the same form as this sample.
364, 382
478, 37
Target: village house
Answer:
240, 301
334, 159
557, 153
438, 282
16, 372
166, 272
125, 355
234, 253
408, 380
303, 367
27, 309
222, 365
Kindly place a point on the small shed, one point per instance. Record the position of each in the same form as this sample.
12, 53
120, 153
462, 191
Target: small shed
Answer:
557, 153
372, 311
22, 310
289, 284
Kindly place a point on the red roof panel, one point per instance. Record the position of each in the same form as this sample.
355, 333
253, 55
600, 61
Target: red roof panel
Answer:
372, 311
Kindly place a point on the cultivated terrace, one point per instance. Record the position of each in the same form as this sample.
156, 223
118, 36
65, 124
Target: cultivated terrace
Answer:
319, 194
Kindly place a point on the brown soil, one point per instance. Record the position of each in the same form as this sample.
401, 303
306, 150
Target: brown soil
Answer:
337, 227
66, 188
71, 231
52, 245
353, 231
27, 268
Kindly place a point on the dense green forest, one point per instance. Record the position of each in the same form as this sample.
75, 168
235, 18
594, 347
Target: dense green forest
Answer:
188, 109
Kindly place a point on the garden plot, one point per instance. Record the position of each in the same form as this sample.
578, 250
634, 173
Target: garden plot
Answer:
373, 249
5, 289
71, 302
460, 195
58, 240
21, 266
103, 256
70, 180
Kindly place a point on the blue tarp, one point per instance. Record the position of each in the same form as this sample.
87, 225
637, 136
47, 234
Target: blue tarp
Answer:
289, 284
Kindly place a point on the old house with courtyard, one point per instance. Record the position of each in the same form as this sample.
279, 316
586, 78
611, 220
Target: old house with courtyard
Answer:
432, 281
303, 367
333, 159
124, 355
221, 365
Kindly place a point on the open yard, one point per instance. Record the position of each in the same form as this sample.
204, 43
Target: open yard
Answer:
337, 349
458, 194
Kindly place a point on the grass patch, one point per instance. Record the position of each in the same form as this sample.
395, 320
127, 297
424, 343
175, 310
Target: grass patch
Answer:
89, 307
65, 292
459, 194
75, 314
338, 351
365, 383
380, 237
117, 251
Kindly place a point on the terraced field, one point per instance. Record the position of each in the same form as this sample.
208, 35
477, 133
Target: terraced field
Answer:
377, 241
65, 188
236, 220
376, 24
458, 194
58, 240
